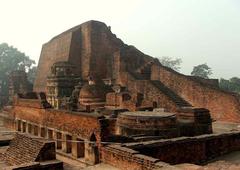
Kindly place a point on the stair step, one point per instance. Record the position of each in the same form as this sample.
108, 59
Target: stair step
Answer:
175, 97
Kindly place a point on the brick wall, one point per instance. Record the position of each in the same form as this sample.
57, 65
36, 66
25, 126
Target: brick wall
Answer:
195, 150
78, 123
128, 159
31, 103
151, 92
93, 48
154, 154
223, 105
55, 50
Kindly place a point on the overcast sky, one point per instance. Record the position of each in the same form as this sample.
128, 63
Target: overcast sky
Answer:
197, 31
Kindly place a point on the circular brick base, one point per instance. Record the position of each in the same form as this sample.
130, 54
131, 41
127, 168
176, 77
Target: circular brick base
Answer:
147, 123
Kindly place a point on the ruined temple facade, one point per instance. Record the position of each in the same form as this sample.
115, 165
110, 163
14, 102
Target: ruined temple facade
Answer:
60, 84
95, 51
101, 100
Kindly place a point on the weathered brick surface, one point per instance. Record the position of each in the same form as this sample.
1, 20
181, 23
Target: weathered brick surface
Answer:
196, 150
152, 154
8, 118
223, 105
89, 45
81, 124
95, 50
148, 123
128, 159
58, 48
154, 91
25, 149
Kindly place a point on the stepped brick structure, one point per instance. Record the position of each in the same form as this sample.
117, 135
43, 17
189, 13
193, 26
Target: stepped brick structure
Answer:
96, 51
101, 100
60, 84
30, 152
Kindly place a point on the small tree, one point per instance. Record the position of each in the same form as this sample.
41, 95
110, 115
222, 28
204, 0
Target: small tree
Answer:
171, 62
11, 59
202, 70
233, 84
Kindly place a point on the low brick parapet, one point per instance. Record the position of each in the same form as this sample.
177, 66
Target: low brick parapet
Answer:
129, 159
158, 153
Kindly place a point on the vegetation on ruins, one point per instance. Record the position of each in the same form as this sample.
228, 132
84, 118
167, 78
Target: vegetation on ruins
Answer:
12, 59
233, 84
202, 70
173, 63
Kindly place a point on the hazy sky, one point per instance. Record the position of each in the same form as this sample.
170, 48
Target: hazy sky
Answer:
198, 31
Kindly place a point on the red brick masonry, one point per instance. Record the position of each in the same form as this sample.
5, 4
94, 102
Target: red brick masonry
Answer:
174, 151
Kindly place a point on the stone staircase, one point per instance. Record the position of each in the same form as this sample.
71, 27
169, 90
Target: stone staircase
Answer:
172, 95
145, 73
24, 149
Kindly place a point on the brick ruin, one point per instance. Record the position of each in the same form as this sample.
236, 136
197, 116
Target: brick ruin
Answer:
161, 154
101, 100
60, 84
95, 51
28, 152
